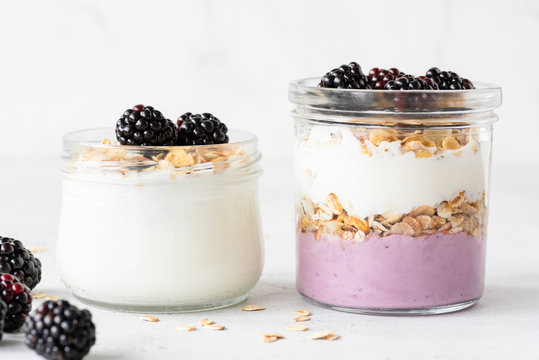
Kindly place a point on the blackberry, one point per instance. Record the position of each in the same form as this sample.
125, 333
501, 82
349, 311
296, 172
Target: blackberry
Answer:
201, 129
18, 299
345, 77
58, 330
15, 259
448, 80
145, 126
378, 78
408, 82
3, 310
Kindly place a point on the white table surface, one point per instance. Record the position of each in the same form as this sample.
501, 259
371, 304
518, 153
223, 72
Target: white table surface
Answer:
504, 325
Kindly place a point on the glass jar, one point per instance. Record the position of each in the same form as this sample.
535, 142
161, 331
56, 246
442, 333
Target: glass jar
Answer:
160, 228
392, 197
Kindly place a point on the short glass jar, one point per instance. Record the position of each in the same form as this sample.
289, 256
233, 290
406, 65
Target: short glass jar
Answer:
162, 229
392, 196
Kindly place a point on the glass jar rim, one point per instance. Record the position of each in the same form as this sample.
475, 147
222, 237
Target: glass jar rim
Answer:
86, 150
306, 94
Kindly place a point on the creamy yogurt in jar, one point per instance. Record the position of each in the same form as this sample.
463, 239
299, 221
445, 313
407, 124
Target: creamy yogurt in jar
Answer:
160, 228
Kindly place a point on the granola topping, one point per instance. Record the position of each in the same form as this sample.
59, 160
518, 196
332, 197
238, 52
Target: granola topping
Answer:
451, 216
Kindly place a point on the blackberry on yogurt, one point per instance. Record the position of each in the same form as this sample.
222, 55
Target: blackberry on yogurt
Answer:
145, 126
345, 77
378, 78
15, 259
201, 129
448, 80
58, 330
408, 82
18, 299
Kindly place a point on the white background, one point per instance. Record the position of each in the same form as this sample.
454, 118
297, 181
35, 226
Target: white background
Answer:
68, 65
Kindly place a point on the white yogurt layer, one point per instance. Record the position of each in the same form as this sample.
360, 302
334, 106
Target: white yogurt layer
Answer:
185, 241
387, 180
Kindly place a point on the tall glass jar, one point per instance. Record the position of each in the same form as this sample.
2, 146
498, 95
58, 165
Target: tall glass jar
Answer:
392, 197
160, 228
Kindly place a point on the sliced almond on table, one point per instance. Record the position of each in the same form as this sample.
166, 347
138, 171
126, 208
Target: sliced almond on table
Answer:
324, 335
271, 337
253, 308
53, 298
149, 318
39, 295
302, 312
302, 318
297, 327
37, 249
215, 327
186, 327
205, 322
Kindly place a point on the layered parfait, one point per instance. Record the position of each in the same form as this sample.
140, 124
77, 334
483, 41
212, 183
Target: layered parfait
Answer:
159, 215
391, 217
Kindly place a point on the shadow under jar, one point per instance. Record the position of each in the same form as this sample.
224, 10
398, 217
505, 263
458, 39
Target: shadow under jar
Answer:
162, 229
392, 197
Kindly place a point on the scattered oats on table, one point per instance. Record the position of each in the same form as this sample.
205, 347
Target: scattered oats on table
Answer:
215, 327
302, 318
297, 327
39, 295
324, 335
271, 337
186, 327
205, 322
253, 308
149, 318
302, 312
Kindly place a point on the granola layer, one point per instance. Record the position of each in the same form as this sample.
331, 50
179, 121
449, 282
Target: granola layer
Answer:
448, 217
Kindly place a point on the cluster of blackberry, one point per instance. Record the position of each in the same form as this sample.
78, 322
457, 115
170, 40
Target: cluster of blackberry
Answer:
345, 77
351, 77
145, 126
56, 330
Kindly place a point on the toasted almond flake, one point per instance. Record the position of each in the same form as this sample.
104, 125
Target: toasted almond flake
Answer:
269, 339
422, 210
253, 308
205, 322
302, 318
302, 312
450, 143
402, 228
297, 327
416, 226
215, 327
149, 318
39, 295
37, 249
334, 204
332, 337
106, 141
278, 336
53, 298
186, 327
324, 335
